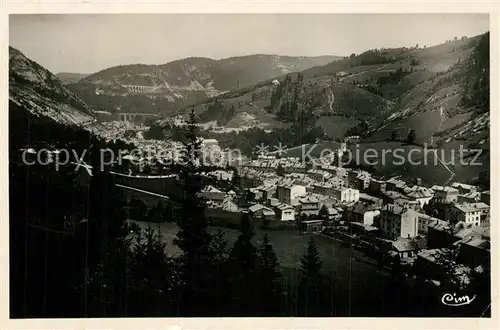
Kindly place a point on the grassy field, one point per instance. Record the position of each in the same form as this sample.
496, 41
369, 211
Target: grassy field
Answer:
358, 286
424, 124
336, 126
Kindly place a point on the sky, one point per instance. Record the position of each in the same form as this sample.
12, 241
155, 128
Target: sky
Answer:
92, 42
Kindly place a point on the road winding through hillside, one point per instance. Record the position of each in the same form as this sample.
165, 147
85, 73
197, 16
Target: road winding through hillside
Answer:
443, 118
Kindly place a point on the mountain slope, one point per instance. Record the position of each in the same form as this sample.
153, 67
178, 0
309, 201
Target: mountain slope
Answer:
70, 77
36, 90
439, 92
163, 88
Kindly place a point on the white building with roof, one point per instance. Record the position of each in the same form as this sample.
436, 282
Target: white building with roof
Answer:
396, 221
288, 193
346, 195
469, 213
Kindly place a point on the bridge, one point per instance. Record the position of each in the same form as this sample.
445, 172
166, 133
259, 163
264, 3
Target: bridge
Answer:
132, 116
140, 88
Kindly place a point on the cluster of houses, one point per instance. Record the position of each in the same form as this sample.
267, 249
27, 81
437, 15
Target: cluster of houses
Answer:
391, 210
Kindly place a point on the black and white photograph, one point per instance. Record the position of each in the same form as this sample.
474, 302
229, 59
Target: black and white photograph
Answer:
249, 165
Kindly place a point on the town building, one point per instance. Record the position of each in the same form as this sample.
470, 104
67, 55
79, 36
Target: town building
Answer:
445, 194
284, 212
408, 247
470, 197
420, 194
396, 221
259, 211
212, 195
362, 213
469, 213
319, 175
312, 226
289, 193
309, 204
390, 196
463, 188
425, 221
377, 202
323, 188
485, 197
396, 184
377, 186
406, 203
346, 195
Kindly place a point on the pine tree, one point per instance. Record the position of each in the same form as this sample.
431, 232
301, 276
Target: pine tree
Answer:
193, 238
310, 280
243, 261
323, 213
269, 279
220, 249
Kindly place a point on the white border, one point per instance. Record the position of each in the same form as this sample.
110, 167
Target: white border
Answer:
245, 7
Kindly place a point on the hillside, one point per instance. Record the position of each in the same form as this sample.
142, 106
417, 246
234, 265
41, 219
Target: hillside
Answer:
441, 93
167, 87
375, 87
36, 90
70, 77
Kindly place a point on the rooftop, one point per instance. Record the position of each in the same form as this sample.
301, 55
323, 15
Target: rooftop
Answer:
444, 189
458, 185
471, 207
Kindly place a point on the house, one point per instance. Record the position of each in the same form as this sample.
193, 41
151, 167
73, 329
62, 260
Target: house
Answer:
377, 202
406, 203
425, 221
469, 213
408, 247
428, 263
377, 186
207, 143
362, 213
323, 188
309, 205
471, 197
420, 194
463, 188
395, 184
289, 193
440, 235
260, 211
396, 221
389, 196
445, 194
362, 181
312, 226
229, 205
346, 195
485, 197
474, 251
213, 195
334, 213
265, 190
284, 212
319, 175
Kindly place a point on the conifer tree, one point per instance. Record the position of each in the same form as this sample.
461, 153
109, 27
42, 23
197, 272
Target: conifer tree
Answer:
243, 260
310, 280
193, 238
220, 249
269, 279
